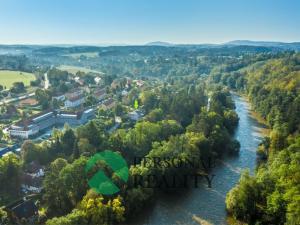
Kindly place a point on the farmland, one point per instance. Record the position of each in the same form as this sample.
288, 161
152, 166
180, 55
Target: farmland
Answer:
75, 69
7, 78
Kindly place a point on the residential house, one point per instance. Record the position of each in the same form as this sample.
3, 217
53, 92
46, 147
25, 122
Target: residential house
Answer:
139, 83
33, 177
100, 94
98, 80
134, 115
115, 84
74, 99
124, 93
28, 102
22, 210
108, 104
79, 80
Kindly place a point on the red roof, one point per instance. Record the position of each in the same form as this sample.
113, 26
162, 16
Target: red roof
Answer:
100, 92
75, 98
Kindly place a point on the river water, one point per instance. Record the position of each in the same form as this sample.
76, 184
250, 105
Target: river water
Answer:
205, 205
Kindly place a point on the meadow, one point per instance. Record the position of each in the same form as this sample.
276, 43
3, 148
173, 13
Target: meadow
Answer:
7, 78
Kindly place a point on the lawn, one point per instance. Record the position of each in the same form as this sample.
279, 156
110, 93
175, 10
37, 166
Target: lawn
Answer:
75, 69
7, 78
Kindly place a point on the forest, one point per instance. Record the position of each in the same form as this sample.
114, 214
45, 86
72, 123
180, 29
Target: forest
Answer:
272, 196
189, 112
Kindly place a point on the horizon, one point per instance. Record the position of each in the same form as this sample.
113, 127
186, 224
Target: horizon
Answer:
142, 44
130, 22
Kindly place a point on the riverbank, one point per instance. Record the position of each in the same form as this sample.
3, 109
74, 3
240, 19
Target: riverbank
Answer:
265, 129
205, 205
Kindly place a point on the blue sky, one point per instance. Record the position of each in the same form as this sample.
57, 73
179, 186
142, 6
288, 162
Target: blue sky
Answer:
141, 21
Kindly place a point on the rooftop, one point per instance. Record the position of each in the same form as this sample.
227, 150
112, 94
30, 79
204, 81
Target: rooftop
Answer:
100, 92
75, 98
108, 102
23, 209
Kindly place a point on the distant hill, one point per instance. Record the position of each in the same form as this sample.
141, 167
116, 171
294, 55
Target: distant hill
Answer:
160, 43
283, 45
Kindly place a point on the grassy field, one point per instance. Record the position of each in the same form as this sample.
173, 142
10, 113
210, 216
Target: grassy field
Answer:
75, 69
7, 78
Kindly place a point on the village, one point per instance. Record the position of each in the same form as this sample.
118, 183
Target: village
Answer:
82, 102
78, 105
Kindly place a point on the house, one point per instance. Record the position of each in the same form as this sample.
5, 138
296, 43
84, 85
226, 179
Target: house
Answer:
100, 94
74, 99
98, 80
108, 104
124, 93
134, 116
32, 125
74, 93
22, 209
32, 179
79, 80
31, 184
28, 102
115, 84
59, 97
35, 169
139, 83
118, 119
74, 102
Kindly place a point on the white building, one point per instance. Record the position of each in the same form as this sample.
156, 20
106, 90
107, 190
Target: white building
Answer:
74, 102
27, 128
74, 99
23, 132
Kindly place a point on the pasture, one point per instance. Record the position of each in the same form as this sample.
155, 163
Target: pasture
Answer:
7, 78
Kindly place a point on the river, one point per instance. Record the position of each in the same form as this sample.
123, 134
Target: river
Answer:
205, 205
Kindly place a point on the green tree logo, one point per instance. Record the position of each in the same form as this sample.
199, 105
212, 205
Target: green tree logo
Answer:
114, 162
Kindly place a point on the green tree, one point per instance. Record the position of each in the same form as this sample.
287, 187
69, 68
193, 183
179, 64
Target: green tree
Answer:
29, 151
68, 141
77, 217
90, 132
241, 200
43, 97
55, 194
4, 219
18, 87
100, 212
10, 172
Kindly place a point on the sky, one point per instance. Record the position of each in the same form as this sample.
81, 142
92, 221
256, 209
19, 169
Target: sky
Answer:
141, 21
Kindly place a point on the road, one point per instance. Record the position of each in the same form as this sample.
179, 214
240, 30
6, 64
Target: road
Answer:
46, 84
